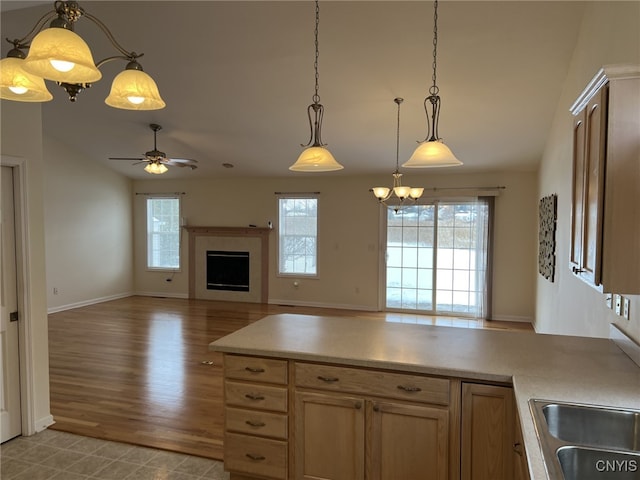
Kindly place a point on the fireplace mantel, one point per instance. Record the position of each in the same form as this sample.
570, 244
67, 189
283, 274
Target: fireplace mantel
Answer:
240, 232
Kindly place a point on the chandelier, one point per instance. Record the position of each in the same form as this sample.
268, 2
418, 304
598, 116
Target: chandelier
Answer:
432, 152
401, 192
58, 54
315, 157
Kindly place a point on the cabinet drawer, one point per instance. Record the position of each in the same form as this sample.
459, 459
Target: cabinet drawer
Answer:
255, 456
256, 422
253, 395
256, 369
415, 388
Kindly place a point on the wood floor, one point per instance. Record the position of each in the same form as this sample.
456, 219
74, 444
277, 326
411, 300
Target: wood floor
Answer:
138, 369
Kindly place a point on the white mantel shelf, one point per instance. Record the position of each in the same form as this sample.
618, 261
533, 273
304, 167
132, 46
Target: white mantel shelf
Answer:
241, 232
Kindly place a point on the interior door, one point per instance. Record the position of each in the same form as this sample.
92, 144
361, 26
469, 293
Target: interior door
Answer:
10, 415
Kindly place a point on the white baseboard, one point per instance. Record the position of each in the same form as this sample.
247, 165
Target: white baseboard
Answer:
512, 318
162, 294
86, 303
275, 301
43, 423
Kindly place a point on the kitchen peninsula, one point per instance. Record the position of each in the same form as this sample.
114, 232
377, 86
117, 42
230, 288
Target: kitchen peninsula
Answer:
300, 389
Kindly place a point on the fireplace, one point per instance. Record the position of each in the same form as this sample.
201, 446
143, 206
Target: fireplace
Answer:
227, 270
253, 245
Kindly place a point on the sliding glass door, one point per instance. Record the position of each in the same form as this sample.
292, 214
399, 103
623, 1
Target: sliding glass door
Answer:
436, 258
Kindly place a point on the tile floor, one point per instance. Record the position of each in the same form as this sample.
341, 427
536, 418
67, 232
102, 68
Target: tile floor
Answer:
55, 455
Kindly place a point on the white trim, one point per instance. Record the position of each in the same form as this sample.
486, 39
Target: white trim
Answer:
366, 308
43, 423
86, 303
162, 294
606, 73
512, 318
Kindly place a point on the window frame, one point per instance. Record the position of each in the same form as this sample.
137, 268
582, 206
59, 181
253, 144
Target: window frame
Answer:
298, 196
148, 233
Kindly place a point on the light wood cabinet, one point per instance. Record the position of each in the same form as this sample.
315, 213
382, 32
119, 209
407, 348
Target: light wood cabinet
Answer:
488, 432
605, 220
520, 465
352, 424
256, 417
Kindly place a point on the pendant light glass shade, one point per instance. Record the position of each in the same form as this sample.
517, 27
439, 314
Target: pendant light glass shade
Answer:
155, 168
61, 55
316, 159
432, 153
17, 84
133, 89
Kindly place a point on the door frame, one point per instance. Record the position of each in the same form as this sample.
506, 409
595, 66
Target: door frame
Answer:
25, 323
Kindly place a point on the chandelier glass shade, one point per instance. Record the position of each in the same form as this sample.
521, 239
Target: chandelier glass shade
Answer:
59, 54
156, 168
315, 157
19, 85
432, 152
400, 192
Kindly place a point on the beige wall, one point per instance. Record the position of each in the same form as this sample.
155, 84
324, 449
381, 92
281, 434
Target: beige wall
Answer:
349, 238
610, 34
88, 223
22, 146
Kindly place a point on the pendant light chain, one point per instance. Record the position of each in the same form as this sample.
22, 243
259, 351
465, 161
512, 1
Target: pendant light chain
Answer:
434, 88
398, 102
316, 96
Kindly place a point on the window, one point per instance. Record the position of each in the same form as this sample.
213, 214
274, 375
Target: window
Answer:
437, 257
298, 235
163, 233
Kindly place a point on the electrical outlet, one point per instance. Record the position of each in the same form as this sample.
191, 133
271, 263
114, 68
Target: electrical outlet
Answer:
55, 290
617, 302
625, 308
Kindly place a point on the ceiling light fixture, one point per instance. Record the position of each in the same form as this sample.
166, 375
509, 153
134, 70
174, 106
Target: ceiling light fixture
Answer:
315, 158
402, 193
155, 167
57, 53
432, 152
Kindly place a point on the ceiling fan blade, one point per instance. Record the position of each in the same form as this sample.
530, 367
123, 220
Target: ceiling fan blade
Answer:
186, 161
182, 165
126, 158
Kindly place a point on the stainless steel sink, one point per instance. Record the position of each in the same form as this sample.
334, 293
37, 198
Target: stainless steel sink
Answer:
587, 442
591, 425
579, 463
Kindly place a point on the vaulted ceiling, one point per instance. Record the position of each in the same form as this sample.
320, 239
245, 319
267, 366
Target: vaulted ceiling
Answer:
237, 77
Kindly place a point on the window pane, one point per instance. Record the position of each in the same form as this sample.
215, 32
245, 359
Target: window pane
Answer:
298, 221
163, 233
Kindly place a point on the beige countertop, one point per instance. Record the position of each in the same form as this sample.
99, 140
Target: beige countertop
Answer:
550, 367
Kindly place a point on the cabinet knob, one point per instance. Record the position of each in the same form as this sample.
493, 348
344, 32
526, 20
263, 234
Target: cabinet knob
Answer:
358, 405
328, 379
254, 369
254, 396
256, 457
517, 447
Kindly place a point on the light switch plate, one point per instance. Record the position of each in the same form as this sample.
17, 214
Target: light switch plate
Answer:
625, 308
617, 303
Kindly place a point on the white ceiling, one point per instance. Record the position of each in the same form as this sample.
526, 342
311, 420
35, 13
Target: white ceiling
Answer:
238, 76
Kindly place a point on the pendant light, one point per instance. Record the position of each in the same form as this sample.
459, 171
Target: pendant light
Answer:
402, 193
315, 157
59, 54
432, 152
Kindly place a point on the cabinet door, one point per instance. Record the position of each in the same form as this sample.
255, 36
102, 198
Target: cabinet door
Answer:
595, 145
520, 466
407, 442
329, 437
487, 432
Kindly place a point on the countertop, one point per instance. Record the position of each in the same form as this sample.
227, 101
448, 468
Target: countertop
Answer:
550, 367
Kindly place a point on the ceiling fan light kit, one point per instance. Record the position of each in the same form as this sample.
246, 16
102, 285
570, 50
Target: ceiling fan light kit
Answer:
58, 54
157, 161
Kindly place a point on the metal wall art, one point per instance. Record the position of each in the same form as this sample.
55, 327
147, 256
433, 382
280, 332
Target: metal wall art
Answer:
547, 236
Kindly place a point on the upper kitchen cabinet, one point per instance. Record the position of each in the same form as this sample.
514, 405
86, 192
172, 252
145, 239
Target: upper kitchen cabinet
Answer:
605, 213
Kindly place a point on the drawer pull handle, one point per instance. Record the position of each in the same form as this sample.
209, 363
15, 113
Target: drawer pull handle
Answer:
254, 369
409, 389
253, 423
254, 396
257, 458
328, 379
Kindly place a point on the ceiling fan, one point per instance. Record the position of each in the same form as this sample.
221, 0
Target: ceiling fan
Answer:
156, 160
